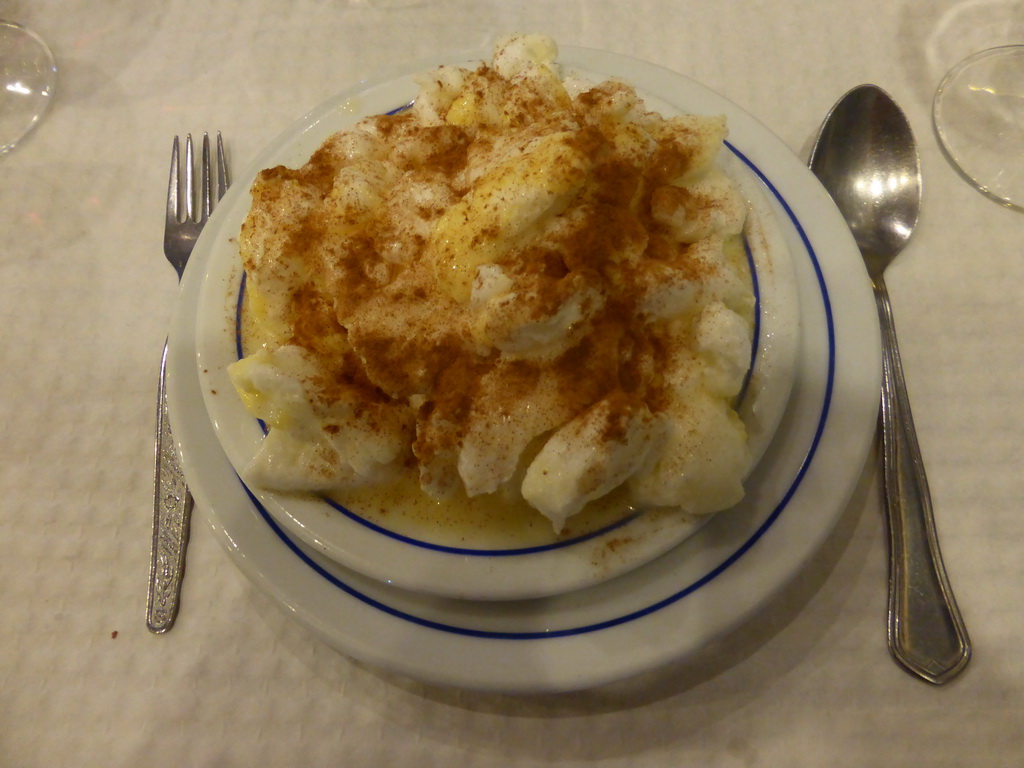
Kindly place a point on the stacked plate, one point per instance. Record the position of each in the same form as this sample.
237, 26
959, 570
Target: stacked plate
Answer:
569, 613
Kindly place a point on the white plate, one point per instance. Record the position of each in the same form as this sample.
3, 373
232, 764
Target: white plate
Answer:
439, 563
659, 612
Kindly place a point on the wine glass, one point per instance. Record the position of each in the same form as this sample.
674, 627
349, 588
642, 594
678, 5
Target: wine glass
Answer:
28, 76
978, 113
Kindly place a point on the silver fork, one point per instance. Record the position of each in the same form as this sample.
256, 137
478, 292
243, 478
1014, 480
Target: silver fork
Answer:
172, 502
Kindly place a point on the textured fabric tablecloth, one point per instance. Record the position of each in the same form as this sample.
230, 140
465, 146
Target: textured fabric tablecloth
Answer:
86, 297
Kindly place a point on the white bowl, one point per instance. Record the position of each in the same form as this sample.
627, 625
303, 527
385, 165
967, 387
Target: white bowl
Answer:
437, 562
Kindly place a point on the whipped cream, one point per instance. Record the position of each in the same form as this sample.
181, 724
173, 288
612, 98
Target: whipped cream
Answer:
525, 284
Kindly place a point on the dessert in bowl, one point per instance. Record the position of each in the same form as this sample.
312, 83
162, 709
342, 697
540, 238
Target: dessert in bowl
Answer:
519, 337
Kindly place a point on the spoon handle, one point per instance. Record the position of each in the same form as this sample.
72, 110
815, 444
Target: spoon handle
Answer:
926, 632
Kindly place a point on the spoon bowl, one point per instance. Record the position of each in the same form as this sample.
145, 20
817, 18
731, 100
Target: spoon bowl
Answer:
866, 158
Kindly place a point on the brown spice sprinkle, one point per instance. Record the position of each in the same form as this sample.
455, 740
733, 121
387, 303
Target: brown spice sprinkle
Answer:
345, 266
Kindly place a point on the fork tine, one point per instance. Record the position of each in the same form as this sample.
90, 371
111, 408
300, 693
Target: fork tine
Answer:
206, 181
173, 199
189, 188
222, 168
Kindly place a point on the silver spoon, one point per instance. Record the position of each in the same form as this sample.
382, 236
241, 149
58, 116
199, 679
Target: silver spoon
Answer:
866, 157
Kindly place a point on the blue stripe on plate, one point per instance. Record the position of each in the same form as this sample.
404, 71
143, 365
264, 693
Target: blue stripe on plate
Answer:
684, 591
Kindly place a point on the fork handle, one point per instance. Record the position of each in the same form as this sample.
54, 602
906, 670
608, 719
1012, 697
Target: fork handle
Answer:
172, 514
926, 631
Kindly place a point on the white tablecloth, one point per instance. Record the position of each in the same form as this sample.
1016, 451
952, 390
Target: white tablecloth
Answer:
85, 300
